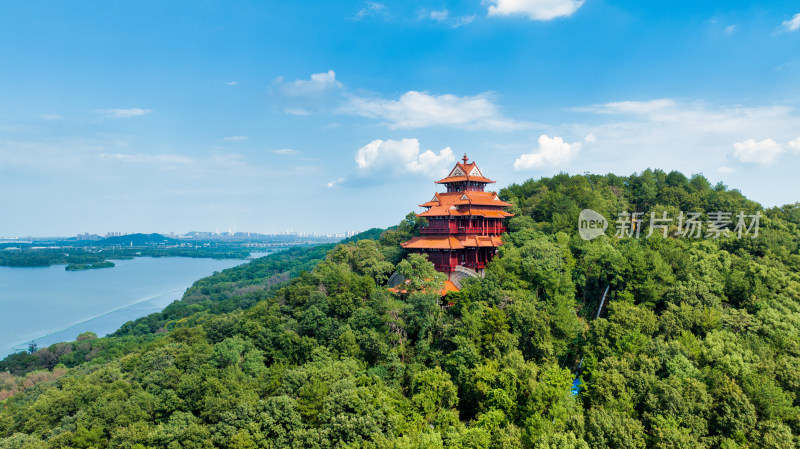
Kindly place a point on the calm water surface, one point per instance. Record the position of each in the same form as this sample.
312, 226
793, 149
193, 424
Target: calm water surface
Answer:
49, 305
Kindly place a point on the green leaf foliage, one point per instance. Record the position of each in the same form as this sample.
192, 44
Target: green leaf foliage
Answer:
697, 344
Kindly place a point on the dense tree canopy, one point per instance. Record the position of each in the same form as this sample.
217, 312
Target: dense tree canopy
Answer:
698, 345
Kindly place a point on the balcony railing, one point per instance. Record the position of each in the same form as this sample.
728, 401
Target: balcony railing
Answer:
463, 230
444, 267
475, 265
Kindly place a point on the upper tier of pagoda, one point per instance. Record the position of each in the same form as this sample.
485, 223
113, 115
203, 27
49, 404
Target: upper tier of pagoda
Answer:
465, 177
466, 203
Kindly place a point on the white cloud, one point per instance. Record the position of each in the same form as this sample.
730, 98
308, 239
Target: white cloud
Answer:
630, 107
794, 145
461, 21
590, 138
725, 169
421, 109
440, 16
297, 111
371, 9
321, 92
318, 85
125, 113
336, 182
396, 157
234, 138
793, 23
668, 118
231, 83
671, 134
535, 9
443, 16
764, 152
169, 159
381, 160
730, 29
286, 151
551, 152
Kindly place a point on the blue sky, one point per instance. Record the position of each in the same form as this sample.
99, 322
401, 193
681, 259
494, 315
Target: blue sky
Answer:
154, 116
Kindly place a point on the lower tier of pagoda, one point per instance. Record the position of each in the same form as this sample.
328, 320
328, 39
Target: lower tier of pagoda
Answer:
449, 251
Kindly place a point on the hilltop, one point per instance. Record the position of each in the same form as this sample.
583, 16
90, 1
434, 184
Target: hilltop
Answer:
137, 240
698, 345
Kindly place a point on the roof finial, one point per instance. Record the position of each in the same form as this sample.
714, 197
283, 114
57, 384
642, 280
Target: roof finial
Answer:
465, 158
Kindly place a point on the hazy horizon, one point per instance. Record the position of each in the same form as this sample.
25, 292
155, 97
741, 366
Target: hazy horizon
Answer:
267, 116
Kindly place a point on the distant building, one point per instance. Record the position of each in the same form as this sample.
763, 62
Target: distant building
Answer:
464, 223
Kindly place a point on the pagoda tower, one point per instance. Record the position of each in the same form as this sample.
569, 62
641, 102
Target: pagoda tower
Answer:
464, 223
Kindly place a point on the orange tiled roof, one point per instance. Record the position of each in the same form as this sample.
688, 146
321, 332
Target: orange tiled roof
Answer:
433, 242
444, 204
464, 171
465, 213
481, 241
464, 178
449, 287
450, 242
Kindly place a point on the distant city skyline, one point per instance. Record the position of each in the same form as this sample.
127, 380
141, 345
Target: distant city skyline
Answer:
312, 116
88, 235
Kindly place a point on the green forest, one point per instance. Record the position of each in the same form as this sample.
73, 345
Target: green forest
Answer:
697, 345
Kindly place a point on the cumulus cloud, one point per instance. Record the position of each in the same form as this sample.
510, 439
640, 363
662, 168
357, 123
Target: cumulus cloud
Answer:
551, 152
234, 138
794, 145
384, 159
590, 138
400, 156
421, 109
792, 24
689, 136
125, 113
763, 152
534, 9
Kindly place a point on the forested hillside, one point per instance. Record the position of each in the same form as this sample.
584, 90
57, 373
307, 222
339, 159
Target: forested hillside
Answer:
697, 347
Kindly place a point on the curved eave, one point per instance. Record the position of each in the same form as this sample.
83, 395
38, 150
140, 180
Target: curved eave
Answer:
467, 213
465, 179
497, 203
450, 243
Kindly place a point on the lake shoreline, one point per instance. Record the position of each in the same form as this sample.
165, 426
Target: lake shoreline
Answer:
59, 303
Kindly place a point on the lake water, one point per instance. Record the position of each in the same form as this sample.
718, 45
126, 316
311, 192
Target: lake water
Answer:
49, 305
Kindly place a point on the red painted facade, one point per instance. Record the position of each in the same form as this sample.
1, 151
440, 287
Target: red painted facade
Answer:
464, 223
